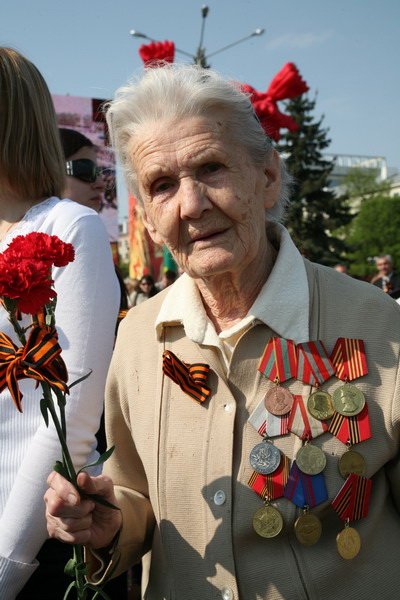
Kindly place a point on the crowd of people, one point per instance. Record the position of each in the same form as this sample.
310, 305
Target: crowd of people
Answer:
247, 354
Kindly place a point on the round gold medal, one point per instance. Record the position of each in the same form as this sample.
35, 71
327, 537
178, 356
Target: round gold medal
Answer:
308, 529
278, 400
310, 459
351, 462
348, 400
348, 543
320, 405
267, 521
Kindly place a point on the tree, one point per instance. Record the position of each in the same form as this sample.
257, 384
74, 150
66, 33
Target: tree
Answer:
316, 213
361, 183
374, 231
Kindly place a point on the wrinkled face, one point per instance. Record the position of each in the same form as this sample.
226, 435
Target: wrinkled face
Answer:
384, 266
203, 197
88, 194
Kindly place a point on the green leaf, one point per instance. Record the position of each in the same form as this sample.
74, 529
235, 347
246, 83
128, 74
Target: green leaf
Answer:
99, 591
58, 467
44, 411
69, 568
69, 588
81, 379
101, 500
102, 459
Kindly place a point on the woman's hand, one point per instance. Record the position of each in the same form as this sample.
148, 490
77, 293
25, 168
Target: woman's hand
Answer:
77, 520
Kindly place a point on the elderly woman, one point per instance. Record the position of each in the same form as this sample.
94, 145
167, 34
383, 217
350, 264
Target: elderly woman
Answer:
197, 158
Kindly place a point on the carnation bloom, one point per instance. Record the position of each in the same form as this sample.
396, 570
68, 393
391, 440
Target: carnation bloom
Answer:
43, 247
26, 281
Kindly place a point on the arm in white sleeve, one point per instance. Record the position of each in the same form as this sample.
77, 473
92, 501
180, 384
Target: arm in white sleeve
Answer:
86, 313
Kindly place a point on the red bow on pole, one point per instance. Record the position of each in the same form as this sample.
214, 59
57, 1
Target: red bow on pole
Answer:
155, 52
286, 84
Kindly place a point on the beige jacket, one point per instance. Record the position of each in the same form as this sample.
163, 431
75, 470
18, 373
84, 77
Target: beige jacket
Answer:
181, 469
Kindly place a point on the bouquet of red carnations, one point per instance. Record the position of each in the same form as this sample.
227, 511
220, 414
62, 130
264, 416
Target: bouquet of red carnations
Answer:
26, 287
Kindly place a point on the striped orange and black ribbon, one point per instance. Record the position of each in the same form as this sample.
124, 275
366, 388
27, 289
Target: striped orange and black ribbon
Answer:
191, 378
39, 359
271, 486
352, 501
354, 429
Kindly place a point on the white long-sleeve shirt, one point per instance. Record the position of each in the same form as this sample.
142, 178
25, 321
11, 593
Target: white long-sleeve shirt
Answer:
86, 312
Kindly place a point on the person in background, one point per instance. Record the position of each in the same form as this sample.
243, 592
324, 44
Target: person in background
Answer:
342, 268
167, 279
147, 289
32, 180
85, 183
387, 279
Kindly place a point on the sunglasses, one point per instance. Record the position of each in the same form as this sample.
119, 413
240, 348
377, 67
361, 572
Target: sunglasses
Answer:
83, 169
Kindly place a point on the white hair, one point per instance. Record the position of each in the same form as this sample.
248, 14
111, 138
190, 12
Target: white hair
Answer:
174, 91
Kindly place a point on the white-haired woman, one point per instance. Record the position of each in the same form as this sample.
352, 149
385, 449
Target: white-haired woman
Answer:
197, 158
32, 178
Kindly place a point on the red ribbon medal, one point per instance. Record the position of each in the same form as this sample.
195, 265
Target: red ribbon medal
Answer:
302, 424
279, 360
314, 365
348, 359
271, 486
351, 429
352, 501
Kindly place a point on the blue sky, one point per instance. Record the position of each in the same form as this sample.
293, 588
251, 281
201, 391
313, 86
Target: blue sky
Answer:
347, 51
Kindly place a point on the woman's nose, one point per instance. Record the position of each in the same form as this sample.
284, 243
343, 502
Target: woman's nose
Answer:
193, 199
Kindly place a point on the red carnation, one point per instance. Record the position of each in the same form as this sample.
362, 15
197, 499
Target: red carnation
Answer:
27, 281
156, 53
43, 247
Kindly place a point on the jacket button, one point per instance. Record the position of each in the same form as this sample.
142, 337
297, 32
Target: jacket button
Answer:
219, 498
228, 407
226, 593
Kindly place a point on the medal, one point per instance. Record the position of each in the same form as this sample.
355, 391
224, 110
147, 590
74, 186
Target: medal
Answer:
271, 486
307, 528
351, 462
351, 429
348, 359
267, 521
320, 405
351, 504
311, 459
301, 423
305, 490
278, 363
279, 359
278, 401
348, 542
314, 365
267, 424
348, 400
265, 458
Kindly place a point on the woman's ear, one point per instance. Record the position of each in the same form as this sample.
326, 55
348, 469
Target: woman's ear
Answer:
272, 172
153, 233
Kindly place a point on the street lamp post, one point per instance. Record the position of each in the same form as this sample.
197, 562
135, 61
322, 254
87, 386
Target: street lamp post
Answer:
200, 58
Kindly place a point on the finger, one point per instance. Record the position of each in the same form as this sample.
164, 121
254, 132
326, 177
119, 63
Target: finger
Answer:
63, 488
101, 485
58, 508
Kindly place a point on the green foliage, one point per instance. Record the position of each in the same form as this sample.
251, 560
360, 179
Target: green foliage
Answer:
374, 231
124, 268
361, 183
316, 213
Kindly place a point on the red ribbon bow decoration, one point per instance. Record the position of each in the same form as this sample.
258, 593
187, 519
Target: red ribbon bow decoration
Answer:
155, 52
286, 84
191, 378
39, 359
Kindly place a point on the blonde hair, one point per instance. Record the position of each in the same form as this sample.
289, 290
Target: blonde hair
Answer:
178, 91
31, 157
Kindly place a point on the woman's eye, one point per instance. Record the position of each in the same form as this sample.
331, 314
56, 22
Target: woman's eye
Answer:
161, 186
212, 168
